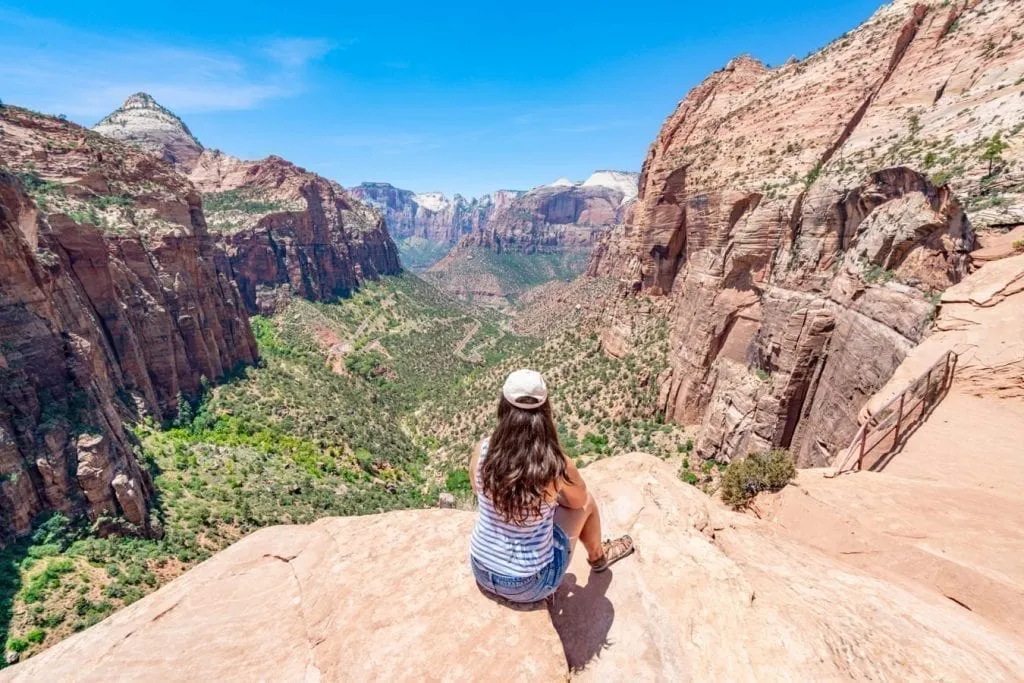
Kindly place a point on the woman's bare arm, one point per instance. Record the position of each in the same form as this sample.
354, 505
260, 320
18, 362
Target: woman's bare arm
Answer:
473, 459
572, 494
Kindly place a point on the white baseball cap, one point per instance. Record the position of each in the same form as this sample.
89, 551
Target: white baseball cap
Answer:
525, 384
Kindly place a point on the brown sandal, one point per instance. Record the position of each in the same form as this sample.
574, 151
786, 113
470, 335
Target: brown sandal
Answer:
613, 552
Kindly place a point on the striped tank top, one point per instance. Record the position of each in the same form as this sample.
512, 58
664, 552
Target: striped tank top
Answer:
505, 548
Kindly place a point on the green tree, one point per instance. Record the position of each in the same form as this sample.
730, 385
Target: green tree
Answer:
994, 149
457, 482
185, 412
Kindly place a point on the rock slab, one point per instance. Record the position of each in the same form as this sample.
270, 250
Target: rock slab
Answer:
710, 595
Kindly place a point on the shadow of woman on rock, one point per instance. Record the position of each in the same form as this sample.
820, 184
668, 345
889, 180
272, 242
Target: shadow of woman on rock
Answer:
582, 616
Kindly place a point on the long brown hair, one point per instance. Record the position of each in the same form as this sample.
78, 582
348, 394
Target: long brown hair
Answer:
524, 457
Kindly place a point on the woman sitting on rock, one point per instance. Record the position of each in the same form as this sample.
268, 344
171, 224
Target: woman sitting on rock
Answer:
533, 502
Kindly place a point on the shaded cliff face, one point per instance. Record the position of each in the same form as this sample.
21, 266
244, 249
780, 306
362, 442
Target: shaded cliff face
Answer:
288, 230
114, 299
802, 220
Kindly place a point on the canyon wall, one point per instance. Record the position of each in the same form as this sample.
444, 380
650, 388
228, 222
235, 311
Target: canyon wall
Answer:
289, 231
114, 299
431, 216
562, 213
543, 235
559, 215
803, 220
284, 230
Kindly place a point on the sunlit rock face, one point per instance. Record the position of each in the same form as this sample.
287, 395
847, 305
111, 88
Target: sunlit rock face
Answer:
804, 219
561, 214
709, 595
143, 123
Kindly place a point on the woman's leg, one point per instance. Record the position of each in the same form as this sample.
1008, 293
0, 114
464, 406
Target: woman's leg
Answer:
582, 523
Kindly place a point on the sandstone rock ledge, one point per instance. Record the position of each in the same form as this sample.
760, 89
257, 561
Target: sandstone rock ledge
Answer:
710, 596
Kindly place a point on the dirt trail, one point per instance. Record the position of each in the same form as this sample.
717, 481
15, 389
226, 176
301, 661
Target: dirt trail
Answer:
474, 356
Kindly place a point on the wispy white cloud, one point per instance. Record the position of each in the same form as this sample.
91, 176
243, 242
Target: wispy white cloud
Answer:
295, 53
86, 75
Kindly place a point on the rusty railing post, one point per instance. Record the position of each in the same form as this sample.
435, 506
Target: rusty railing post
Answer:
929, 395
899, 420
863, 441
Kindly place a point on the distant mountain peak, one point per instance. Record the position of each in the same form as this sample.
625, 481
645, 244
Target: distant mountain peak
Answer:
625, 182
145, 123
563, 182
140, 100
432, 201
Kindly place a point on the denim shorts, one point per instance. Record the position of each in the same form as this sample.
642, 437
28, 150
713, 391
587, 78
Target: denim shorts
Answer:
528, 588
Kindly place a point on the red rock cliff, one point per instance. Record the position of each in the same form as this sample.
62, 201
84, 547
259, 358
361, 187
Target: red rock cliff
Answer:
113, 299
286, 228
802, 220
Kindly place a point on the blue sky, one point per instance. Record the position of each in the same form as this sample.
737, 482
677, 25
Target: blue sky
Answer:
456, 97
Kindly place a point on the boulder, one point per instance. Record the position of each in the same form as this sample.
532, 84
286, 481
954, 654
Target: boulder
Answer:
95, 473
131, 499
709, 595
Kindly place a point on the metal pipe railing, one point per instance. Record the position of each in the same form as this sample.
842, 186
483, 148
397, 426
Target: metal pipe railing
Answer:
881, 423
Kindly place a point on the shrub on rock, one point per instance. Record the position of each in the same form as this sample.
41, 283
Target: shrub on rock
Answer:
758, 472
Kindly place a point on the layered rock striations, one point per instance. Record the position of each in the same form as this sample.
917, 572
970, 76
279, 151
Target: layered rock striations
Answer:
142, 122
431, 216
709, 595
285, 230
804, 220
560, 215
114, 300
542, 235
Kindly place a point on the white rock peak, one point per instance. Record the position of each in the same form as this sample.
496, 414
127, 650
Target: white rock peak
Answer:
563, 182
432, 201
623, 181
141, 111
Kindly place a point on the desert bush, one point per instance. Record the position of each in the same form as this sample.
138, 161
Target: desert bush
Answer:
744, 479
457, 482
